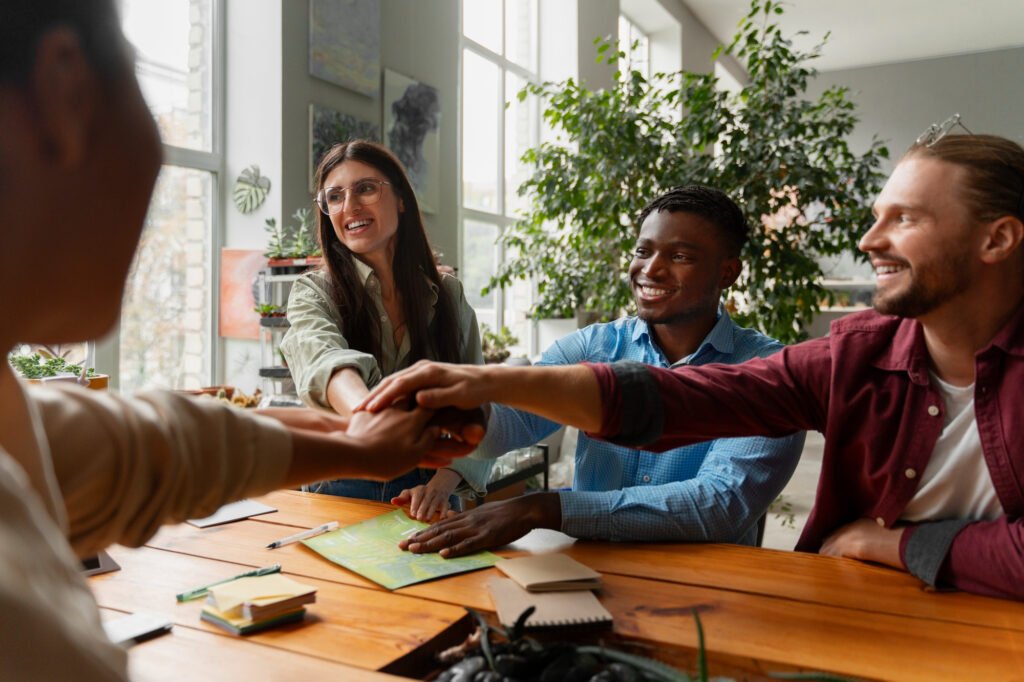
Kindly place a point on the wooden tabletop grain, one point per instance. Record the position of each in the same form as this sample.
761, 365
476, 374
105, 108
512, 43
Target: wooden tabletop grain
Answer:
762, 610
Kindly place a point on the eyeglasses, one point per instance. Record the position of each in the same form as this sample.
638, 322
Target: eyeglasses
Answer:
937, 131
332, 200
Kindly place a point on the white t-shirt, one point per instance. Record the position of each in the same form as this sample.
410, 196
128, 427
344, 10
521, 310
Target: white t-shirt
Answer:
956, 484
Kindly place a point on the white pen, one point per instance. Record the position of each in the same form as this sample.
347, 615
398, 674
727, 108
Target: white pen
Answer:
327, 527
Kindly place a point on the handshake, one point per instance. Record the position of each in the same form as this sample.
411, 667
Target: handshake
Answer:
434, 412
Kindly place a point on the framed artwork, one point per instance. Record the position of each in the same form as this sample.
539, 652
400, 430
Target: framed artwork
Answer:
412, 125
327, 127
344, 43
238, 270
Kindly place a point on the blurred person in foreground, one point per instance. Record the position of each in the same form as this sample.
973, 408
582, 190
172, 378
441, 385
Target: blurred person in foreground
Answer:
80, 470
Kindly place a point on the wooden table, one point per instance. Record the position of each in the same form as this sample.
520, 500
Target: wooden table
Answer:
762, 610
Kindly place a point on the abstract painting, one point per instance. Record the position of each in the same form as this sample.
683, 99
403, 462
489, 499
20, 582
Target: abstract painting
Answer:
328, 127
344, 43
412, 124
238, 270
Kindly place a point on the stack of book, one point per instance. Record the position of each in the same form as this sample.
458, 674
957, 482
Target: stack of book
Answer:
248, 605
558, 588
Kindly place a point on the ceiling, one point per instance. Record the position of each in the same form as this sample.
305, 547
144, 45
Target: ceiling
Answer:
868, 32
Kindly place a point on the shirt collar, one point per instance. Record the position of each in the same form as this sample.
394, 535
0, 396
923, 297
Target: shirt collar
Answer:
369, 279
908, 353
720, 337
1010, 338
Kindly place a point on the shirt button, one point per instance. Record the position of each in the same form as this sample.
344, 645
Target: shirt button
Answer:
910, 473
647, 479
933, 410
880, 521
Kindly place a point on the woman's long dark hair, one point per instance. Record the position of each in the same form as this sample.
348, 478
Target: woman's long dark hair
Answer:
413, 268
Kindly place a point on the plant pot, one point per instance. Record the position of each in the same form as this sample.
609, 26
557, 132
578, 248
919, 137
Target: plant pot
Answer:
293, 266
97, 382
552, 329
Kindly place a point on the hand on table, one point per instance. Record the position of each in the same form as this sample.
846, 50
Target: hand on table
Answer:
864, 539
490, 525
430, 502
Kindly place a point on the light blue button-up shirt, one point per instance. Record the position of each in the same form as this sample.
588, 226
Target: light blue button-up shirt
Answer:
707, 492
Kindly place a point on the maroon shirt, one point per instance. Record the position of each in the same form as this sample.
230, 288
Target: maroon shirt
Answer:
866, 388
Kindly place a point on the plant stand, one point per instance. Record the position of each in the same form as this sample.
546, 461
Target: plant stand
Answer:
273, 287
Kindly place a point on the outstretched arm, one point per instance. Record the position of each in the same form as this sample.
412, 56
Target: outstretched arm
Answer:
127, 466
568, 395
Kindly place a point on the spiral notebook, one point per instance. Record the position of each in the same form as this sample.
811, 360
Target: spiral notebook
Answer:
575, 609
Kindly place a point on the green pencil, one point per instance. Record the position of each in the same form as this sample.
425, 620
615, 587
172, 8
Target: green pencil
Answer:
202, 591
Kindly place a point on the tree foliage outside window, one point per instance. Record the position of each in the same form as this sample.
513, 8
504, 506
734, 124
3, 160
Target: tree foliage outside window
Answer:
782, 156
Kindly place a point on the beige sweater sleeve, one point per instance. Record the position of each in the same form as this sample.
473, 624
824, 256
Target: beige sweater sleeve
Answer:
127, 466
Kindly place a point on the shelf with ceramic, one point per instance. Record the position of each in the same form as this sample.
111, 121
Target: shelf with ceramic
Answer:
273, 285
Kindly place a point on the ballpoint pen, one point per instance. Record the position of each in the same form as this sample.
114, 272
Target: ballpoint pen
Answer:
202, 591
323, 528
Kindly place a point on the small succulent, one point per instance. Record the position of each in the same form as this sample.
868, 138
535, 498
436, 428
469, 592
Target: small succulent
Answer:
277, 242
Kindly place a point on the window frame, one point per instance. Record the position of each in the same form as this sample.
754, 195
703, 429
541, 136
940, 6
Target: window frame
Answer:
500, 217
108, 349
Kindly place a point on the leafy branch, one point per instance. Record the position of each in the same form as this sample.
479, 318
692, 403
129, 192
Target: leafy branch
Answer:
780, 155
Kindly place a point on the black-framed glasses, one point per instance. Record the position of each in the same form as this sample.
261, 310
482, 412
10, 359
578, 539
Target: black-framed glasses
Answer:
332, 200
937, 131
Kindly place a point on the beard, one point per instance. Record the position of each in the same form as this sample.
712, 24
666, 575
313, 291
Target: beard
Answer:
930, 286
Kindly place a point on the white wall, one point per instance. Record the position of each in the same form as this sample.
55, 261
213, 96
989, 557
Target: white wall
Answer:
898, 101
253, 129
253, 134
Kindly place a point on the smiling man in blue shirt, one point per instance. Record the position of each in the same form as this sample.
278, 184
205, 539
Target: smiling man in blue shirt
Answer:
686, 255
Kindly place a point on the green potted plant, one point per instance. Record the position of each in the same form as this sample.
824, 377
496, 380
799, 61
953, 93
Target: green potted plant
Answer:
269, 310
293, 249
781, 155
36, 368
496, 344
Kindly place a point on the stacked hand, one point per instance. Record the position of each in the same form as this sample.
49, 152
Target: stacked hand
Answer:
430, 502
434, 384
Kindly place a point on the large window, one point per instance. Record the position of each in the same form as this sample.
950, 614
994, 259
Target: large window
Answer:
165, 335
636, 44
500, 55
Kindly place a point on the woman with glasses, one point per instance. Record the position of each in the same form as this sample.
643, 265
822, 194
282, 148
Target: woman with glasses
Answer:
377, 305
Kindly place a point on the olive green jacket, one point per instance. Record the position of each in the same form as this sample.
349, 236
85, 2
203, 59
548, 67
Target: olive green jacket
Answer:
315, 345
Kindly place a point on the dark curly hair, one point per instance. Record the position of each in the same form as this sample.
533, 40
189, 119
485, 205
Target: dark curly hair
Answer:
711, 204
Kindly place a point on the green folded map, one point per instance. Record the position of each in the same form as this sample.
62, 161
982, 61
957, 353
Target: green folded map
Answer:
370, 548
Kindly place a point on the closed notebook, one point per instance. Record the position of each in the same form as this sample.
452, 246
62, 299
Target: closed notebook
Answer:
255, 603
550, 573
249, 596
575, 609
243, 626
